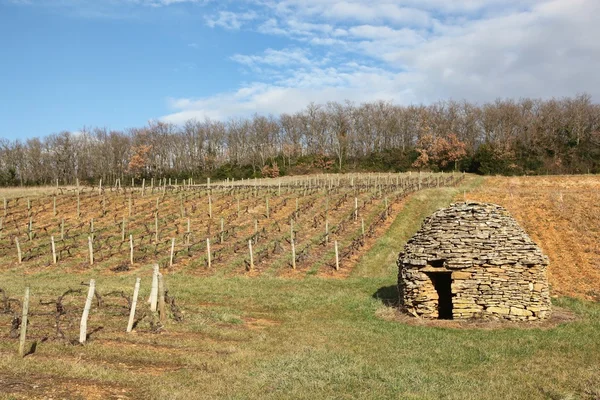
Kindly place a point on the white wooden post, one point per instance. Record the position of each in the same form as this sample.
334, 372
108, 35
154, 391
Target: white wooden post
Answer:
136, 291
222, 230
172, 252
24, 323
161, 299
156, 227
19, 256
154, 289
53, 250
337, 257
293, 255
131, 249
251, 256
91, 249
86, 312
208, 252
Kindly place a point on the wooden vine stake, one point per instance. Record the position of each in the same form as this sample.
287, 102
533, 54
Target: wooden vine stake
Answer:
161, 299
131, 249
54, 205
154, 289
181, 207
24, 323
136, 292
208, 252
156, 227
209, 206
337, 257
62, 229
19, 255
86, 312
386, 208
222, 230
326, 230
251, 267
172, 252
53, 250
355, 208
91, 249
267, 207
293, 254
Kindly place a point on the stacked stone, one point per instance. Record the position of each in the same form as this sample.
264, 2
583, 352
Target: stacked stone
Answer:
497, 271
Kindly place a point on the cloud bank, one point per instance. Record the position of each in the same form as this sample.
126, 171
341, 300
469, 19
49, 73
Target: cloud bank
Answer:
411, 52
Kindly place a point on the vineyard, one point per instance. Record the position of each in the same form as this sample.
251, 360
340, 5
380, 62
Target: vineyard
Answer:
236, 321
272, 226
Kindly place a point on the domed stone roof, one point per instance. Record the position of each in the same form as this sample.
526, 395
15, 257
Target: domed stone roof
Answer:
470, 234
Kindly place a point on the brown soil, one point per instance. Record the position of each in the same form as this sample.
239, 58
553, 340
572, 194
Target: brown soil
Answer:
32, 386
562, 215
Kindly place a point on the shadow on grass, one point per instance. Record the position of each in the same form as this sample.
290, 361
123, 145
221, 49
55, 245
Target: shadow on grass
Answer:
388, 295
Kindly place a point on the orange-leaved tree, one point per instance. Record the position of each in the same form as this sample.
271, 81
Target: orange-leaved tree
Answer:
439, 152
139, 159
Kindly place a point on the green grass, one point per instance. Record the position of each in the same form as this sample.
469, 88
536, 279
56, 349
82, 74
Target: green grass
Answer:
380, 260
307, 338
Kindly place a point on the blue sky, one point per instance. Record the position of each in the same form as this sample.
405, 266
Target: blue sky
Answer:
67, 64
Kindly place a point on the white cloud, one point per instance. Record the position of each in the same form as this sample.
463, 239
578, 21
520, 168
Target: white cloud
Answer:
349, 82
230, 20
478, 50
277, 58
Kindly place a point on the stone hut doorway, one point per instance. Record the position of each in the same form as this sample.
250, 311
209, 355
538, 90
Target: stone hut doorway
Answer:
442, 282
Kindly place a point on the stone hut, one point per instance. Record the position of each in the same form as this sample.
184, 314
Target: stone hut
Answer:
472, 260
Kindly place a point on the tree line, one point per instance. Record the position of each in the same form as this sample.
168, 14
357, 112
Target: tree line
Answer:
526, 136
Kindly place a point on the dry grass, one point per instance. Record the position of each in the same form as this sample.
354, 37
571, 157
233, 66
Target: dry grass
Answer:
562, 215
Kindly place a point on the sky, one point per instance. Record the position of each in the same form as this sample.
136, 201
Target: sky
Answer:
70, 64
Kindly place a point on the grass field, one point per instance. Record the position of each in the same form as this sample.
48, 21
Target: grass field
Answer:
292, 336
